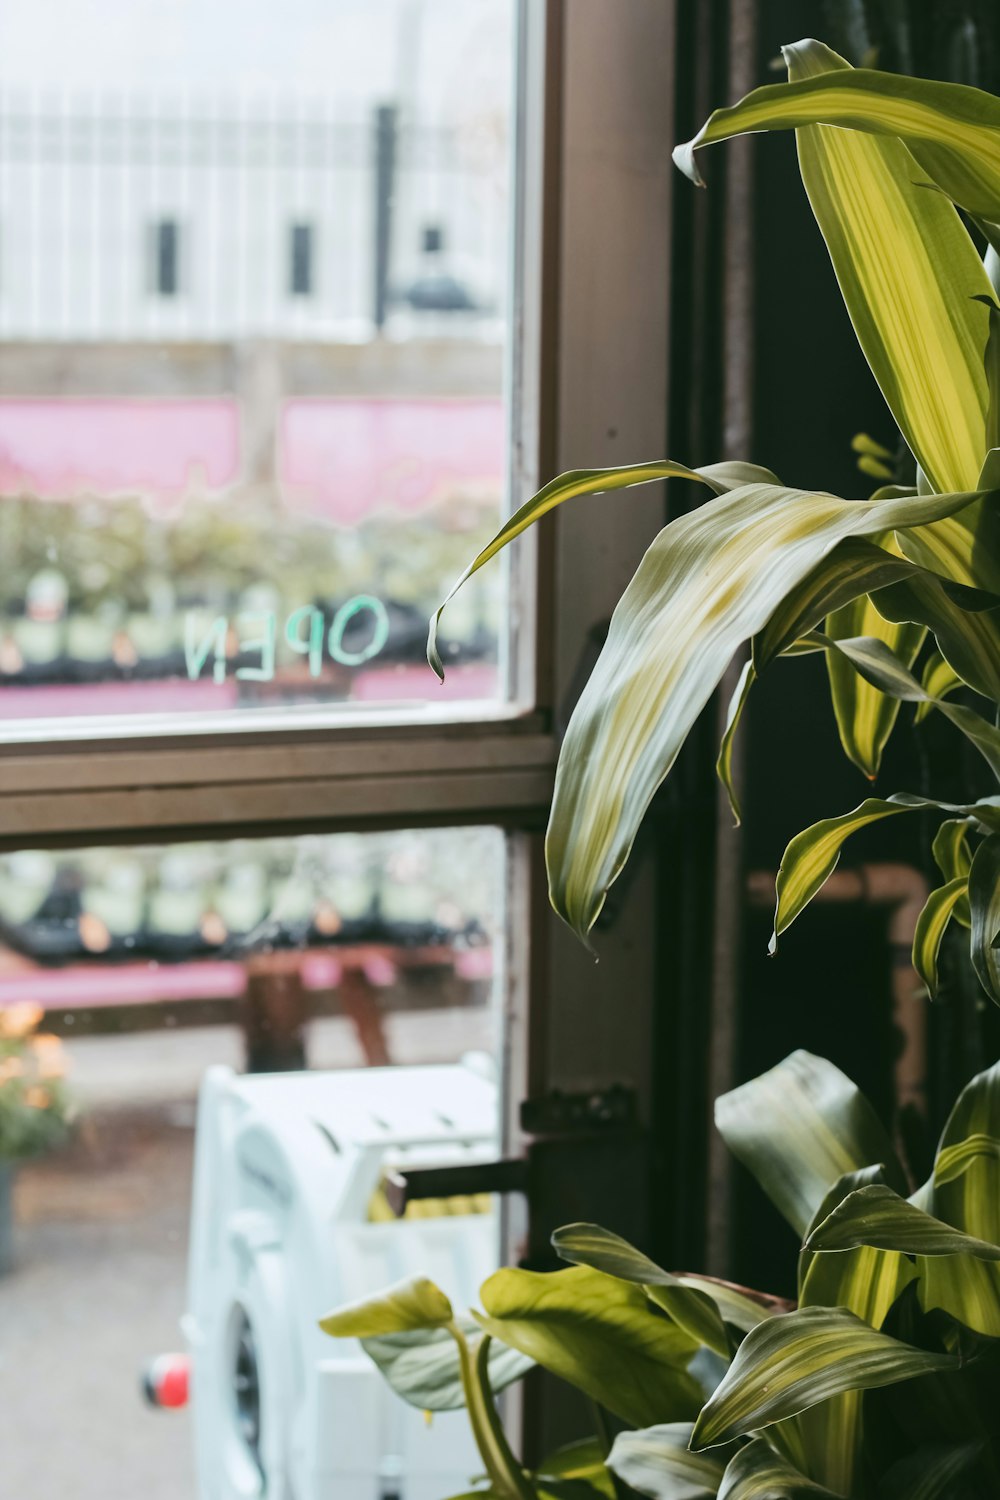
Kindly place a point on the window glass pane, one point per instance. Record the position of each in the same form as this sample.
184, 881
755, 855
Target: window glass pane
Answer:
151, 965
254, 301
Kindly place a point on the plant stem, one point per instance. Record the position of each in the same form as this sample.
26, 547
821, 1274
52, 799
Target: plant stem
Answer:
506, 1475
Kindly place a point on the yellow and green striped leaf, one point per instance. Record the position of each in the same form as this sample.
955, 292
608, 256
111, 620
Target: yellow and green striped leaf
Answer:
791, 1363
962, 548
970, 1198
984, 906
877, 663
968, 639
937, 679
907, 268
965, 1192
812, 855
877, 1217
950, 848
953, 857
939, 908
710, 581
853, 568
865, 715
868, 1283
719, 478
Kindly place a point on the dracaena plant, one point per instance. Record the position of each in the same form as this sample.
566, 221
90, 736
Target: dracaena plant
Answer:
882, 1383
901, 591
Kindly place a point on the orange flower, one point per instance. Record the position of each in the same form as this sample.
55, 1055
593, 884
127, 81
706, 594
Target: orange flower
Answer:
49, 1055
17, 1020
38, 1097
10, 1067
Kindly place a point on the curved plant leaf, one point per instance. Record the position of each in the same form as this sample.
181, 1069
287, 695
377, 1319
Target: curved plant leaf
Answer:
724, 764
692, 1309
708, 583
965, 1288
967, 1173
952, 130
576, 1471
718, 477
848, 1183
880, 1218
953, 1161
867, 1282
799, 1128
791, 1363
964, 549
906, 266
757, 1472
853, 568
601, 1335
741, 1306
953, 858
423, 1366
965, 1192
937, 679
590, 1245
812, 855
657, 1461
931, 926
874, 660
984, 907
865, 714
405, 1307
969, 640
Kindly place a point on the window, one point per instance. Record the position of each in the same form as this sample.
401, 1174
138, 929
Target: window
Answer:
166, 258
225, 513
301, 260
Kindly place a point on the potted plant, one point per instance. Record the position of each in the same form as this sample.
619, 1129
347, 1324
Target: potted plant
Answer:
883, 1381
34, 1108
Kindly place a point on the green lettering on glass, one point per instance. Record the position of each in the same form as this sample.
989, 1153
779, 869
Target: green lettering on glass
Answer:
309, 641
198, 649
341, 620
265, 644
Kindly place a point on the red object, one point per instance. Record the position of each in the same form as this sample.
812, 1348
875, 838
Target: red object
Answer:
166, 1380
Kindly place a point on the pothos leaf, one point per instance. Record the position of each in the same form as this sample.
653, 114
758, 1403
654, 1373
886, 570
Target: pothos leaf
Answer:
601, 1335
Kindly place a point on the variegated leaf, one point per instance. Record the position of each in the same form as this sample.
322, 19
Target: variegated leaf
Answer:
788, 1364
799, 1128
939, 908
907, 268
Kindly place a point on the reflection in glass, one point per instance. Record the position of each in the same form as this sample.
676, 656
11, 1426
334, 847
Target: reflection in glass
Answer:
254, 293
